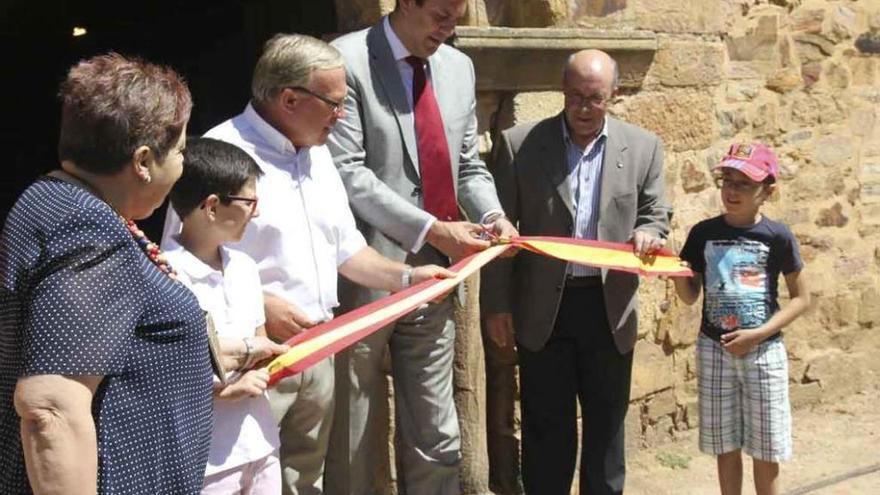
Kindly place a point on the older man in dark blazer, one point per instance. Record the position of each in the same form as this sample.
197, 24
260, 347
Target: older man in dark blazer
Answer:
586, 175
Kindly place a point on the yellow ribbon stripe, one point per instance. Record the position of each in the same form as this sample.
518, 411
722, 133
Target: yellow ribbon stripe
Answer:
604, 255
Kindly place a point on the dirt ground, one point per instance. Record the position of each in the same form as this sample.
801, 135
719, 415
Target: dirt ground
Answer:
836, 452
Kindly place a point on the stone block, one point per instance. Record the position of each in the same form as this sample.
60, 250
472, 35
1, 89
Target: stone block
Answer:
841, 24
661, 404
688, 63
785, 80
742, 91
673, 16
838, 75
694, 176
758, 43
691, 412
805, 41
864, 70
597, 8
862, 120
832, 217
537, 13
731, 122
833, 151
652, 370
811, 72
683, 119
537, 105
807, 20
869, 42
633, 428
803, 395
765, 119
839, 374
869, 308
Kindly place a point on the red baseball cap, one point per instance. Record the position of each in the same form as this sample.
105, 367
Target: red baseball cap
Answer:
755, 160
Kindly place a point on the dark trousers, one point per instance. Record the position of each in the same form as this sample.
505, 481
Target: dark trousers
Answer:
578, 363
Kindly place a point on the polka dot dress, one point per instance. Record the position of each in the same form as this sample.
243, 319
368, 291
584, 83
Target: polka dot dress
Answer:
79, 297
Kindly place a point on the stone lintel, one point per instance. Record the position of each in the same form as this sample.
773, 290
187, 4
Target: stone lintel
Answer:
531, 59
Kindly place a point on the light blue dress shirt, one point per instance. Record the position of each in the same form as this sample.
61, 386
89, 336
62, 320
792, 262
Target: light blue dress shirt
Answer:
585, 178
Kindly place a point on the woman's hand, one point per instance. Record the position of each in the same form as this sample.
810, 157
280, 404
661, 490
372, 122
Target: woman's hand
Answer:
251, 384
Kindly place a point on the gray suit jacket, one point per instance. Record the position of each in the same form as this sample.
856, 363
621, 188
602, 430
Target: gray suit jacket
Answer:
374, 146
531, 172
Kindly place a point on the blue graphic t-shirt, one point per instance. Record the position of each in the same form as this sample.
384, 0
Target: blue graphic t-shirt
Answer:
740, 269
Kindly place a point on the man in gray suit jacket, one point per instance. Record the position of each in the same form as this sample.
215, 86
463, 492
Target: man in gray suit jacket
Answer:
586, 175
407, 152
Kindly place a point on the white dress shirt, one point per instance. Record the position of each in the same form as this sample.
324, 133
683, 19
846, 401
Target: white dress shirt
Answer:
305, 229
244, 430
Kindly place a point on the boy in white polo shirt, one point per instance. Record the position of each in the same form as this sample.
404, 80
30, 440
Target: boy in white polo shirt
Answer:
216, 198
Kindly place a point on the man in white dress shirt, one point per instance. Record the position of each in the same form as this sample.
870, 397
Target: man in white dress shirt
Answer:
305, 234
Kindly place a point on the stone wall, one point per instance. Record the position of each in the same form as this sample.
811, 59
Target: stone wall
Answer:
800, 75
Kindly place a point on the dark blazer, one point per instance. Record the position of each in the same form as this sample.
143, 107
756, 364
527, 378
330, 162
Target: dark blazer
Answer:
531, 175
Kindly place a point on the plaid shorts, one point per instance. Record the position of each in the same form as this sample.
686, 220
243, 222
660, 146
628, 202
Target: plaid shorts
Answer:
744, 401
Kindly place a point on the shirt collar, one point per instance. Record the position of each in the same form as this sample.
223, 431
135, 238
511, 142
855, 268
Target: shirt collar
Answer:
197, 269
271, 135
398, 51
603, 134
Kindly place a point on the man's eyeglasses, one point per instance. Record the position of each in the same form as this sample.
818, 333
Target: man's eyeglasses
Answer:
736, 185
580, 101
335, 106
252, 202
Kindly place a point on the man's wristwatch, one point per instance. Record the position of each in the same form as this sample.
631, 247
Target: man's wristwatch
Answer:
406, 277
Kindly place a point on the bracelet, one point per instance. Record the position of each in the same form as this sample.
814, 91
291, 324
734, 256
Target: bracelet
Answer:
248, 353
406, 277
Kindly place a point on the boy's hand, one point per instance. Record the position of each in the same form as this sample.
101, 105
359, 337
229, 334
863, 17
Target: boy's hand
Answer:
251, 384
740, 342
263, 348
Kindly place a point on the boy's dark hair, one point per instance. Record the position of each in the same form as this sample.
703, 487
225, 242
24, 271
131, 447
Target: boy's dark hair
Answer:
211, 167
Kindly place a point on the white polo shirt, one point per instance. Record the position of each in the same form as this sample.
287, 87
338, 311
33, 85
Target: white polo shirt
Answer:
305, 229
244, 430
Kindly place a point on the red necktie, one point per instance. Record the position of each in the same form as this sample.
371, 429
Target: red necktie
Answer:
435, 167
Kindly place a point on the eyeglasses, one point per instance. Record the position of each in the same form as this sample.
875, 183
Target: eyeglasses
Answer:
335, 106
580, 101
252, 202
736, 185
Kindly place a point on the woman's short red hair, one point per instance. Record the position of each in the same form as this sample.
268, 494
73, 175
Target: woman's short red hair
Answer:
112, 104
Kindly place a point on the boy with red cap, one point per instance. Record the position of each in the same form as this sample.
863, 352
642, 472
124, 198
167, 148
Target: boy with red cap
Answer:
737, 258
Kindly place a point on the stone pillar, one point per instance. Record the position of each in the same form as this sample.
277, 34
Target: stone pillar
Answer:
469, 384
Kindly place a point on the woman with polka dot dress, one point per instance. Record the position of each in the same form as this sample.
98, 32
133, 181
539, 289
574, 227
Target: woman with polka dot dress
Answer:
105, 375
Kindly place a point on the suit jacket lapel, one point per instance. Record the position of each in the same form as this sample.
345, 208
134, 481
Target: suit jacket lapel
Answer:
556, 162
613, 170
384, 67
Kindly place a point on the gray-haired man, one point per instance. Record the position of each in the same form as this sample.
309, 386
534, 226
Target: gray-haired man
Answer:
305, 233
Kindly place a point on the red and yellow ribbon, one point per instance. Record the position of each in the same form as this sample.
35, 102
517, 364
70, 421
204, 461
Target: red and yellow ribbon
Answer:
326, 339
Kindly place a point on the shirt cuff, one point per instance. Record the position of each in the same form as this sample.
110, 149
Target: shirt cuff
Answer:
490, 214
420, 240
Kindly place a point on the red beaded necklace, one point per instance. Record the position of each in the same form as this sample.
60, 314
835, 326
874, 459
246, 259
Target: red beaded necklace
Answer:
151, 249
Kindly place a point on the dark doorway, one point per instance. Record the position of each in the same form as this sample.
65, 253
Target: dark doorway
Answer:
213, 43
